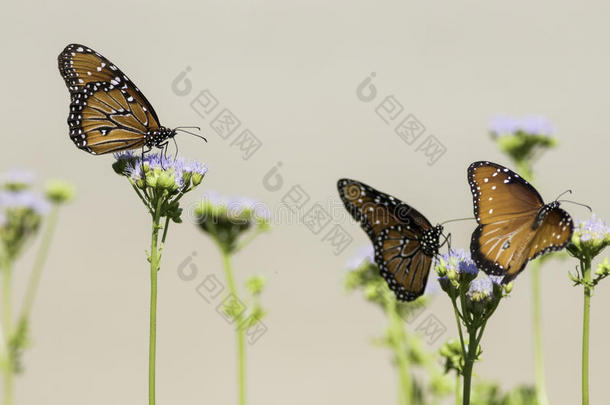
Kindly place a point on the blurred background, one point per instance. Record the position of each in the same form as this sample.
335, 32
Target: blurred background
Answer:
289, 72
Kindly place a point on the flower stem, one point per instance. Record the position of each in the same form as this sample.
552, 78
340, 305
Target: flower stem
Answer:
585, 265
7, 329
240, 332
458, 398
41, 257
397, 336
154, 269
469, 359
541, 396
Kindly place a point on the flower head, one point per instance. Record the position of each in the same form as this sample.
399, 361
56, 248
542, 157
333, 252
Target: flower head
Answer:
481, 288
162, 181
590, 237
535, 125
592, 229
59, 191
24, 200
159, 172
21, 213
457, 264
17, 180
226, 218
522, 138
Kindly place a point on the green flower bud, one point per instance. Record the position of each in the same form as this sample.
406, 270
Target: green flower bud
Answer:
196, 178
255, 284
166, 180
59, 191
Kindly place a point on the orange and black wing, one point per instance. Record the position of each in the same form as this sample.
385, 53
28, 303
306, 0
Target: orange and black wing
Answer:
505, 206
108, 113
396, 230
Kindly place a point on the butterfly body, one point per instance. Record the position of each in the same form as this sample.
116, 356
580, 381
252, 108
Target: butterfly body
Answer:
515, 225
405, 242
108, 113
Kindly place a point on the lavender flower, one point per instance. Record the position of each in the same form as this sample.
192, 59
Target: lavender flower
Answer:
590, 237
226, 218
17, 180
531, 125
24, 200
481, 288
594, 229
157, 171
457, 263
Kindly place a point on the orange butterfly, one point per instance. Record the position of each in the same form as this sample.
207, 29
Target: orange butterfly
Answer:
108, 113
515, 225
404, 240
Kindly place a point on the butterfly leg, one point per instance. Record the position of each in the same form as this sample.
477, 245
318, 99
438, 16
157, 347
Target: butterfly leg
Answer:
145, 150
163, 146
447, 241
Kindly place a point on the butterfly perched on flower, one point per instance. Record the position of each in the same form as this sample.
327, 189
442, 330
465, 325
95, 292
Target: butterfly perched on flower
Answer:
108, 113
515, 225
404, 240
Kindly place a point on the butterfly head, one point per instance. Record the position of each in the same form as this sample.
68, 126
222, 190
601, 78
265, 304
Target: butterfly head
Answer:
157, 137
430, 240
543, 212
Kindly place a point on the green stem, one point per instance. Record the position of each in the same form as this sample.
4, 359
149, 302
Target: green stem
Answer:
240, 332
538, 344
459, 324
397, 335
43, 253
7, 328
585, 265
154, 269
468, 365
458, 397
248, 239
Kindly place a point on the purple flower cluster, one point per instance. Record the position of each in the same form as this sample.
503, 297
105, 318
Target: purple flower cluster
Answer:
179, 167
24, 199
460, 262
531, 125
593, 229
236, 206
16, 176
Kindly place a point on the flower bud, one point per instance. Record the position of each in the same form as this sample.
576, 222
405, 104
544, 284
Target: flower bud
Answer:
59, 191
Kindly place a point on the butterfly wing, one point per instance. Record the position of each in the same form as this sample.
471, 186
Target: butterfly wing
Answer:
108, 112
395, 229
553, 234
505, 206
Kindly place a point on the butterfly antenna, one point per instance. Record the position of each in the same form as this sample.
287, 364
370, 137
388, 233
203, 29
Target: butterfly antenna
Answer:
182, 129
562, 194
457, 219
577, 203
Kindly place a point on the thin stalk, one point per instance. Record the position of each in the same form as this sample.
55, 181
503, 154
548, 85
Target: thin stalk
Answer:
239, 331
41, 258
7, 328
541, 396
585, 265
397, 335
154, 268
459, 325
468, 365
458, 382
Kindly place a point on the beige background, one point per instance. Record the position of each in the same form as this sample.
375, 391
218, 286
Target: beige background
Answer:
289, 71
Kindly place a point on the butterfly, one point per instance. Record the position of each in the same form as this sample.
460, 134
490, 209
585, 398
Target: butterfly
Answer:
515, 225
404, 240
108, 113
